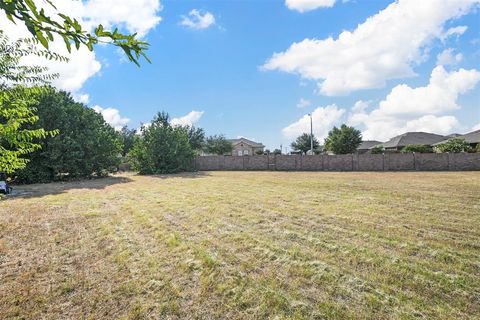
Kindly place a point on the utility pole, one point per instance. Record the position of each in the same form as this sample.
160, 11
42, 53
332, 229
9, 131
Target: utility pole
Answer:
311, 134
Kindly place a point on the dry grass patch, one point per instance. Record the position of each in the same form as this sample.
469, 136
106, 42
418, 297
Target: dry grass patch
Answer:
238, 245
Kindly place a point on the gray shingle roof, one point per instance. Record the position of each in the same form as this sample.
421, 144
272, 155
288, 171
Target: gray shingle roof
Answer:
246, 141
409, 138
471, 137
365, 145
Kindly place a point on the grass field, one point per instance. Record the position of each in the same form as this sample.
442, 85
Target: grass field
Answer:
240, 245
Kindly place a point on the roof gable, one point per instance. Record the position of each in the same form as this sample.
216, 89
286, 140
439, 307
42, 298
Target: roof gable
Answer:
247, 142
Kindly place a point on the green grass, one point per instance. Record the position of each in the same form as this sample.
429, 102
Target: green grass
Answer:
244, 245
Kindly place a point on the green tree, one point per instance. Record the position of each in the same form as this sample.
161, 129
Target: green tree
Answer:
303, 144
43, 28
218, 144
16, 100
343, 140
162, 148
277, 151
377, 150
127, 137
454, 145
85, 145
196, 137
417, 148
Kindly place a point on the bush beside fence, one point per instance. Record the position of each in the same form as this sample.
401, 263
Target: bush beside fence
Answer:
349, 162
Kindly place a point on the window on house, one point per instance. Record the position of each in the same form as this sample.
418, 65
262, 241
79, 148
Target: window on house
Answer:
240, 152
245, 152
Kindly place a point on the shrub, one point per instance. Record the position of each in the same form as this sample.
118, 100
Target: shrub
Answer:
377, 150
454, 145
417, 148
259, 152
162, 148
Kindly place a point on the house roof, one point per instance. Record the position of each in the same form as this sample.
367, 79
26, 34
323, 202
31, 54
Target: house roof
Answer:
365, 145
409, 138
246, 141
471, 137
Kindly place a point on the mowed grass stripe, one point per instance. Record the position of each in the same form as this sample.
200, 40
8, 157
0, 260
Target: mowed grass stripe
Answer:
245, 245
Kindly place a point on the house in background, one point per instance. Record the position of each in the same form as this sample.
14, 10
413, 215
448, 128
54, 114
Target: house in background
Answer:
365, 146
472, 138
245, 147
409, 138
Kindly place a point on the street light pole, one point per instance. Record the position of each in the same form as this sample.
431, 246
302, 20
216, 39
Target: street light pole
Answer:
311, 134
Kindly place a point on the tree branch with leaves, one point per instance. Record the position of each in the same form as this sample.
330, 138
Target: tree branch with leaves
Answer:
43, 28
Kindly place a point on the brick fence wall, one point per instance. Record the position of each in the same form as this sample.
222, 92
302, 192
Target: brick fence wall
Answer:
349, 162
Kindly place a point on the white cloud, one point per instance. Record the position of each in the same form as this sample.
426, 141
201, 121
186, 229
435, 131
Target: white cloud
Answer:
417, 109
476, 127
112, 117
83, 64
323, 119
384, 47
454, 31
360, 106
189, 119
138, 16
81, 97
198, 20
302, 103
307, 5
447, 57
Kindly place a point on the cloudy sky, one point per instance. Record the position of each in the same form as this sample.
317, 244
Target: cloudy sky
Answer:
257, 68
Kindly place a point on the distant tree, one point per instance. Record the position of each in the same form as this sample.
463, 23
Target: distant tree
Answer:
127, 137
218, 144
377, 149
162, 148
303, 143
343, 140
259, 152
196, 137
277, 151
417, 148
85, 145
267, 151
454, 145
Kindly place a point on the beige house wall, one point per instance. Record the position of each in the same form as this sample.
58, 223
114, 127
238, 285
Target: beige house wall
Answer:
243, 149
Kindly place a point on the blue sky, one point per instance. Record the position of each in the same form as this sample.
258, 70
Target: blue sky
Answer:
226, 70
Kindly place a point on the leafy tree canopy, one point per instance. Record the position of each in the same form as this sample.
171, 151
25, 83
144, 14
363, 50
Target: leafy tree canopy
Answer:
377, 150
162, 148
417, 148
196, 137
16, 100
343, 140
454, 145
85, 145
218, 144
127, 137
43, 28
302, 143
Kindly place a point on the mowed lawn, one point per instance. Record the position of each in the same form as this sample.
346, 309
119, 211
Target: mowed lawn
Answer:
244, 245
